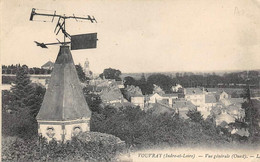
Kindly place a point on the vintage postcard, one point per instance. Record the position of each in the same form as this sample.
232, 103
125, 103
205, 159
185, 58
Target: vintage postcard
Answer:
132, 80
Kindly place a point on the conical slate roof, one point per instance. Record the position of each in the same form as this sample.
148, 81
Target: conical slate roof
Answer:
64, 99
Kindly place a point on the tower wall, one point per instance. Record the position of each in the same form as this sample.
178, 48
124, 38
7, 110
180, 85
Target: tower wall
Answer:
62, 131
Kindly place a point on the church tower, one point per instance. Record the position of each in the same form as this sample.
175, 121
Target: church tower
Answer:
87, 69
64, 111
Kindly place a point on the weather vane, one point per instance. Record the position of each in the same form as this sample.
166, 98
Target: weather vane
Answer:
82, 41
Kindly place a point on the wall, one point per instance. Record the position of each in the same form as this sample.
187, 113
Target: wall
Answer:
138, 101
68, 128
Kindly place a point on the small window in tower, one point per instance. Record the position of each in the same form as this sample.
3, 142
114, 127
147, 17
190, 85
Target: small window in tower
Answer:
76, 130
50, 132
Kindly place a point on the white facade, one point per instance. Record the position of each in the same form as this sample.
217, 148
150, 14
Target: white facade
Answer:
138, 101
196, 99
62, 130
156, 97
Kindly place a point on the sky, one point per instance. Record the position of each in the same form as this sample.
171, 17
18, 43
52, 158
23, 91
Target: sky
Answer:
139, 35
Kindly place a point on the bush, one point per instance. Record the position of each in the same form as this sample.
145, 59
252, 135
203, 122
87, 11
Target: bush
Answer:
90, 146
19, 124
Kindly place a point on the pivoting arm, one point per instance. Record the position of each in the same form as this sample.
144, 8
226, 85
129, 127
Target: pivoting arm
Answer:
91, 19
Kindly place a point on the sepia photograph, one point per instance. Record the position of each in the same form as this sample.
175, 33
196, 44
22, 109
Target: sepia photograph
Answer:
130, 80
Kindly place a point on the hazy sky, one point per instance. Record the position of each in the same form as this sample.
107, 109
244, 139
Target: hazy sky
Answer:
140, 36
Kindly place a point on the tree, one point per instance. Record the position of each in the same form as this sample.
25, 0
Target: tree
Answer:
195, 116
81, 74
252, 114
93, 100
22, 90
25, 101
110, 73
36, 100
163, 81
129, 81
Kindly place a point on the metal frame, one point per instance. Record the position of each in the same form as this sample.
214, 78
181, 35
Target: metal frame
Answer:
61, 25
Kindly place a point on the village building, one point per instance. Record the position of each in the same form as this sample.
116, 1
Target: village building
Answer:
134, 95
103, 83
224, 117
182, 106
154, 98
195, 95
159, 108
210, 101
138, 100
228, 92
232, 101
111, 96
64, 111
48, 65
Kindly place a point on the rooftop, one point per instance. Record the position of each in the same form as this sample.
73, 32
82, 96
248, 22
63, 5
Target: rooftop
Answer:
64, 99
191, 91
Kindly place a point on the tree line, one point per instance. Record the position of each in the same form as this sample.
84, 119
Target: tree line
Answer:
12, 69
231, 80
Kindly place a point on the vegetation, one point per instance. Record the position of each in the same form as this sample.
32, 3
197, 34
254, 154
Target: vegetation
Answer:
228, 80
20, 107
81, 73
252, 115
110, 73
12, 69
142, 129
90, 146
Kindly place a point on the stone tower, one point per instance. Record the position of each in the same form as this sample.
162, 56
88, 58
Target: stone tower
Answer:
64, 111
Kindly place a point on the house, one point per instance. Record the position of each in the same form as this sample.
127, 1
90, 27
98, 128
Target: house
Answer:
210, 101
138, 100
182, 106
232, 101
131, 91
158, 109
48, 65
232, 92
106, 83
154, 98
111, 95
224, 117
195, 95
